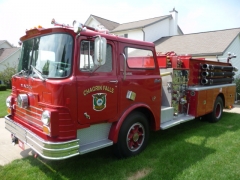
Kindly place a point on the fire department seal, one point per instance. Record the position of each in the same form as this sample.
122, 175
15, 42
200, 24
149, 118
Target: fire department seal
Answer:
99, 101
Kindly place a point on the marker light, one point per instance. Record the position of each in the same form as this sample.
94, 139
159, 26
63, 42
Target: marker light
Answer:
46, 129
9, 103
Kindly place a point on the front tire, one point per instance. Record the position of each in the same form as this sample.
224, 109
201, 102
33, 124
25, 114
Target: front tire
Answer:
133, 136
216, 114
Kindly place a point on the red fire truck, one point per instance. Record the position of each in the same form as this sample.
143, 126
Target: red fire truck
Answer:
80, 89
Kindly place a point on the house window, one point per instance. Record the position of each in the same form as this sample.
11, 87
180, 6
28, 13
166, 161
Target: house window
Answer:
123, 35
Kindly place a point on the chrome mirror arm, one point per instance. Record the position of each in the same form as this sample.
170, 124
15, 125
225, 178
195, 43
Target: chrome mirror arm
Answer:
125, 66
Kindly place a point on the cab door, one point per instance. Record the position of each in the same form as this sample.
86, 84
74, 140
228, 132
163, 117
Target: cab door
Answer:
140, 79
97, 87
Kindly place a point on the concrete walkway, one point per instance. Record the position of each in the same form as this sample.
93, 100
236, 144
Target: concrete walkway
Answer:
10, 152
235, 109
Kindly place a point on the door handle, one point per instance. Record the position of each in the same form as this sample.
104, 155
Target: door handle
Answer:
157, 80
114, 81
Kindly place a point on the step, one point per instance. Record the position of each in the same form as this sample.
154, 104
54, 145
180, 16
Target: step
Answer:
166, 113
176, 121
95, 146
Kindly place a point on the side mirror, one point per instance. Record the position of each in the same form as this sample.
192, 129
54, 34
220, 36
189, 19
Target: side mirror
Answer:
100, 45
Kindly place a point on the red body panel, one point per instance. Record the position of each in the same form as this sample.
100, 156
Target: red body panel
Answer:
71, 99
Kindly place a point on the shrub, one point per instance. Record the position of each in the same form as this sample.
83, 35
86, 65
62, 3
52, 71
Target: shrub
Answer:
3, 87
7, 73
237, 81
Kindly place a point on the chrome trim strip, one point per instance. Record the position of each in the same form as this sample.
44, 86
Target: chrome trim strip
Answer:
46, 149
200, 88
31, 122
36, 108
29, 115
30, 111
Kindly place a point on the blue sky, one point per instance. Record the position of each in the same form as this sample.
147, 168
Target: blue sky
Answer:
193, 16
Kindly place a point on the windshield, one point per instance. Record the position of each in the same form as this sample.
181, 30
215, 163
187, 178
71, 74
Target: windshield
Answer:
50, 55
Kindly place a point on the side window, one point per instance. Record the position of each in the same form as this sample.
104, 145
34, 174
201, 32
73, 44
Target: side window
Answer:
139, 58
87, 57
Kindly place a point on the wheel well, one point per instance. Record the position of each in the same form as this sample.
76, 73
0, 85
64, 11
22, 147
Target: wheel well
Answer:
222, 96
148, 115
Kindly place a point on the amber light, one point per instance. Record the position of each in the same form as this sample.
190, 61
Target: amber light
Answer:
9, 111
46, 130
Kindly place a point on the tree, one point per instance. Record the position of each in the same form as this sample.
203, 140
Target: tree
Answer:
7, 74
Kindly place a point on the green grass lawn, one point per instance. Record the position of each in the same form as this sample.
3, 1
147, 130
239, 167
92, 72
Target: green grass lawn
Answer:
193, 150
3, 97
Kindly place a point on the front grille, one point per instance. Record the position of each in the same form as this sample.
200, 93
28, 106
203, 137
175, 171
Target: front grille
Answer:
31, 115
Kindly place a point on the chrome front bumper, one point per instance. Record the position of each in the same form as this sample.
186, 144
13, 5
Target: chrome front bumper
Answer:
46, 149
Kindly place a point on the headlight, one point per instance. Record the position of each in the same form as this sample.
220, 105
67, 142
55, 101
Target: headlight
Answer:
9, 101
46, 117
22, 101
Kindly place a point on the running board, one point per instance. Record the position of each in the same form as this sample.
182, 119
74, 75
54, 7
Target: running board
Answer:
176, 121
95, 146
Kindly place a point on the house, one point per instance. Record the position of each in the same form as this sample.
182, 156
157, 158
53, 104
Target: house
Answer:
146, 30
8, 55
167, 36
213, 45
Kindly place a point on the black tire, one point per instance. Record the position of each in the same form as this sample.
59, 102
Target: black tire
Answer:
133, 136
216, 114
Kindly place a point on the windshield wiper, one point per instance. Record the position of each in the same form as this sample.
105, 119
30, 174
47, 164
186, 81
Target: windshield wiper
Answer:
21, 72
39, 74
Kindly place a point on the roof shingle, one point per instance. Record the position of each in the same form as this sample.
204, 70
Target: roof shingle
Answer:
206, 43
139, 24
6, 52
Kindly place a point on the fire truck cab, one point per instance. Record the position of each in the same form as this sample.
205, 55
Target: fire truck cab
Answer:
79, 89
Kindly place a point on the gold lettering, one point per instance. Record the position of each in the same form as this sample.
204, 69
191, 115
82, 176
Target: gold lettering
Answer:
98, 88
90, 90
87, 91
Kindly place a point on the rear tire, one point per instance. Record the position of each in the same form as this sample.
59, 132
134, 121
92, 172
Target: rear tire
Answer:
216, 114
133, 136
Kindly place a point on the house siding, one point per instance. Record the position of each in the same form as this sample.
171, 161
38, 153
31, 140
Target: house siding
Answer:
11, 61
5, 45
136, 34
234, 47
157, 30
93, 23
